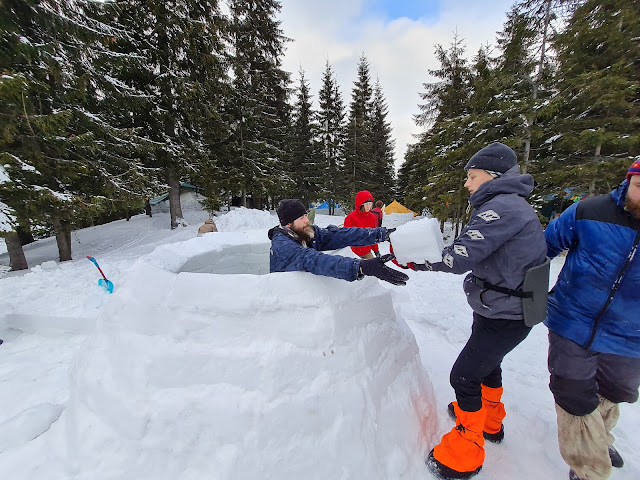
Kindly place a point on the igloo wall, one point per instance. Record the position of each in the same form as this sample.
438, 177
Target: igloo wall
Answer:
280, 376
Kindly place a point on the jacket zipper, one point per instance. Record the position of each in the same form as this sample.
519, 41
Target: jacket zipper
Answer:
613, 291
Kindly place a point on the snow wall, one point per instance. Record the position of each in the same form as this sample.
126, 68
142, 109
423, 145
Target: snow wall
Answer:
280, 376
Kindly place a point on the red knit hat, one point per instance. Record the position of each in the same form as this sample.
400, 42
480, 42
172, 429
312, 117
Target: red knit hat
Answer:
633, 170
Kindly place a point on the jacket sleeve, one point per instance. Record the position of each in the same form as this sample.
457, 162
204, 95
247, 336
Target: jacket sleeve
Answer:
561, 233
332, 237
292, 257
489, 228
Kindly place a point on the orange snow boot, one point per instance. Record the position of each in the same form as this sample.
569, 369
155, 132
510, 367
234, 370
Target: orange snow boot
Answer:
493, 428
460, 453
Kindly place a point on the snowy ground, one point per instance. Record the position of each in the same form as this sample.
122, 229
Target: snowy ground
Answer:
83, 374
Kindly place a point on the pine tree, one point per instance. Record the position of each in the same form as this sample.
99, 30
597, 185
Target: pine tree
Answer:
331, 130
544, 19
432, 176
382, 158
598, 105
358, 152
258, 109
305, 156
515, 81
169, 83
59, 172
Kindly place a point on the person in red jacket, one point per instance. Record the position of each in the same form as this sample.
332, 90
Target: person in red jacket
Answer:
363, 218
377, 211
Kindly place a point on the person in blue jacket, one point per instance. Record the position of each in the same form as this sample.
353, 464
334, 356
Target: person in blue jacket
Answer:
296, 246
501, 243
594, 324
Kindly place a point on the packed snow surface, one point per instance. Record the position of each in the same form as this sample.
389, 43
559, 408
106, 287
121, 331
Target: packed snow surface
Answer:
246, 375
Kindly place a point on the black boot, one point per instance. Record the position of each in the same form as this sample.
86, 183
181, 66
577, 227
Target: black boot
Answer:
443, 472
573, 475
491, 437
616, 458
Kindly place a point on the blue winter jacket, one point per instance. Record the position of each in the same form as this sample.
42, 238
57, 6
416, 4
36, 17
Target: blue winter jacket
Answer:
289, 253
502, 240
596, 301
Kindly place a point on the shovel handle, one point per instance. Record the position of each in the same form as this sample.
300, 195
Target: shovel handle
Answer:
95, 262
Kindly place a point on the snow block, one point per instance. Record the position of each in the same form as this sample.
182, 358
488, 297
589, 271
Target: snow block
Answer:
286, 375
418, 241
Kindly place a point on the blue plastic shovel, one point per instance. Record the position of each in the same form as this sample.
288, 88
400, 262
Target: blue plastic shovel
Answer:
103, 282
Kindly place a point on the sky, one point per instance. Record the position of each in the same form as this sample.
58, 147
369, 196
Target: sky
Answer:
398, 37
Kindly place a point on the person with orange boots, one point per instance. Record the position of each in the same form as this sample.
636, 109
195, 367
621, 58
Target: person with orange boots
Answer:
501, 243
363, 218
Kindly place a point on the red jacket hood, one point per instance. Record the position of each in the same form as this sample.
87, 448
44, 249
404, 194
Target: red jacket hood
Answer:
362, 197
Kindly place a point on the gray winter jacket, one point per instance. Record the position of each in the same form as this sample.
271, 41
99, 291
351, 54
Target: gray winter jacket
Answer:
502, 240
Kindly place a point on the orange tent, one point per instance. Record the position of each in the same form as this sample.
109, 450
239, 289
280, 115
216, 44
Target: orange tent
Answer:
396, 207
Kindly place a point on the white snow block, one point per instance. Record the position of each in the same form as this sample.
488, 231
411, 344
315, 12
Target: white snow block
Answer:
279, 376
418, 241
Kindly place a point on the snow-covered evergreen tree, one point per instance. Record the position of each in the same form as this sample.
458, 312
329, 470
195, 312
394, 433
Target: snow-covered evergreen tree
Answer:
306, 166
331, 131
359, 170
596, 125
382, 148
258, 107
432, 176
60, 173
182, 74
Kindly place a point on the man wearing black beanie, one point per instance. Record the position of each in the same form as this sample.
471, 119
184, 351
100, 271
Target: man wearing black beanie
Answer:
296, 246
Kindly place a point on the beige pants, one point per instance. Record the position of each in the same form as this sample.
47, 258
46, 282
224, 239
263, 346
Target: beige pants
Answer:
584, 441
368, 256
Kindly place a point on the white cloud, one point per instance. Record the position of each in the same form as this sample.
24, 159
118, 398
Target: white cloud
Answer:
400, 51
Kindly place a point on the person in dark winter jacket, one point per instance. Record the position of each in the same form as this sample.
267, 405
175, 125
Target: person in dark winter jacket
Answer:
501, 242
377, 211
594, 324
363, 218
296, 246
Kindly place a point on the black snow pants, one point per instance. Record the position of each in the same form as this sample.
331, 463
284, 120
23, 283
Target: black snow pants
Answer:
480, 360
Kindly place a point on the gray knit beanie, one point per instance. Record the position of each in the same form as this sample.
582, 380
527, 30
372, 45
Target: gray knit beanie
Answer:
497, 158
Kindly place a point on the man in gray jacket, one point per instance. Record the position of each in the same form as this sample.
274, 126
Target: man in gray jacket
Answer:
501, 242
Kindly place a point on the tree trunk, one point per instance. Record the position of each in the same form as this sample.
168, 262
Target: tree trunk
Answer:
596, 159
531, 118
63, 239
175, 209
527, 151
26, 237
17, 260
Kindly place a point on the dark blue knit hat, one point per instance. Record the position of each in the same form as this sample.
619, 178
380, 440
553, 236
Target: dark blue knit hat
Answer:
289, 210
497, 157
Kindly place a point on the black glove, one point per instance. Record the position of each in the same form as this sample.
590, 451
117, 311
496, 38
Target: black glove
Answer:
376, 267
376, 253
389, 232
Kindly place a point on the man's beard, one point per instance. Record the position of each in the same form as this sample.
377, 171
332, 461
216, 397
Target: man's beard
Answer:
306, 233
633, 207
